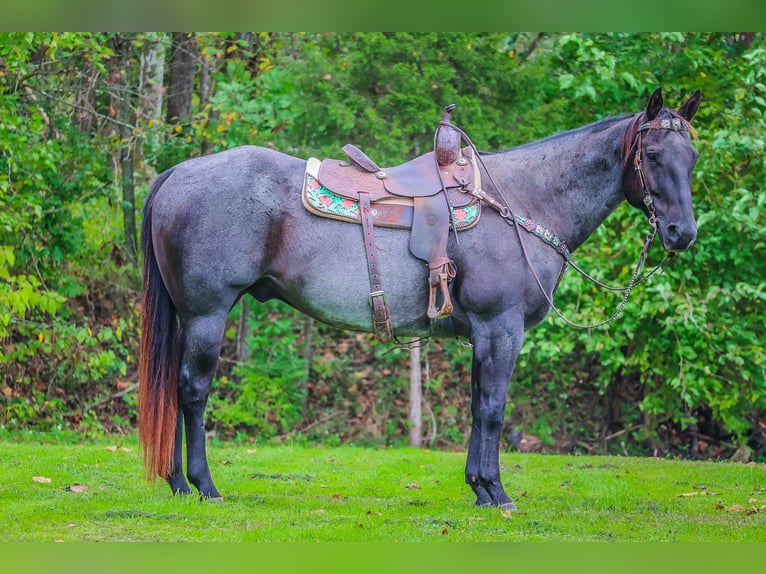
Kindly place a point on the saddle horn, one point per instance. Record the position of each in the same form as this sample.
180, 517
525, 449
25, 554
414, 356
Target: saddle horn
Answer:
447, 141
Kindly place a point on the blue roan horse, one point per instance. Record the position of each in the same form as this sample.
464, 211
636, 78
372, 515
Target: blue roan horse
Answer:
220, 226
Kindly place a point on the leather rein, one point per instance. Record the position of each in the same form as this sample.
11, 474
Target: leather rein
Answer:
676, 123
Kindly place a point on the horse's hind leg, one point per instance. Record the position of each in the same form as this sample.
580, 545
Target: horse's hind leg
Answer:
202, 338
176, 480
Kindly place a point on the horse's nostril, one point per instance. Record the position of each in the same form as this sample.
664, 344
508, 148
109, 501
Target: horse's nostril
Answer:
678, 237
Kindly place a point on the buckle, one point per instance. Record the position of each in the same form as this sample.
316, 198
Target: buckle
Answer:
377, 294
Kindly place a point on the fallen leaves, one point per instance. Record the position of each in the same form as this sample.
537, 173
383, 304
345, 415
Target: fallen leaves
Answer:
71, 488
116, 448
413, 486
749, 511
77, 488
701, 491
752, 508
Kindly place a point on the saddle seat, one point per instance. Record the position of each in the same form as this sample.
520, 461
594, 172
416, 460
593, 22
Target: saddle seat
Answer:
418, 177
422, 195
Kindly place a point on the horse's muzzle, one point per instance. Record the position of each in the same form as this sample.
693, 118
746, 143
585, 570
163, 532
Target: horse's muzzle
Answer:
678, 237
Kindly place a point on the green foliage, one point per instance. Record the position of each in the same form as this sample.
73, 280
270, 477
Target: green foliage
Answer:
689, 348
265, 393
687, 354
53, 360
348, 95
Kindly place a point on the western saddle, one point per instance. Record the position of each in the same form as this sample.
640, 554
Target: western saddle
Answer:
435, 185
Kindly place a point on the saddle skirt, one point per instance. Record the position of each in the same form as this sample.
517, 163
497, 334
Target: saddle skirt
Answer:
388, 210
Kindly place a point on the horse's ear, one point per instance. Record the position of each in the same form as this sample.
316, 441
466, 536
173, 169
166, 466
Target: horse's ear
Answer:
655, 104
691, 106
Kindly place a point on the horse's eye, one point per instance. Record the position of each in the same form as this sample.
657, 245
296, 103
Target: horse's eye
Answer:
651, 156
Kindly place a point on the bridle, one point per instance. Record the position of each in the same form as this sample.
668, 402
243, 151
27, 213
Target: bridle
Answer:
674, 123
633, 140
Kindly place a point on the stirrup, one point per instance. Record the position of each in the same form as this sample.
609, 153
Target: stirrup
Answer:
440, 278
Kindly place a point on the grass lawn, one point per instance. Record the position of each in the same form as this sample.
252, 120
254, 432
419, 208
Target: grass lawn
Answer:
96, 492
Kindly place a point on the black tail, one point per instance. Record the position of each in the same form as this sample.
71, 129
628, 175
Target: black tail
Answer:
159, 357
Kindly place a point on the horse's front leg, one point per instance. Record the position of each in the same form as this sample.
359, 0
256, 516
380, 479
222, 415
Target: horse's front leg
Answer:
494, 356
474, 446
201, 346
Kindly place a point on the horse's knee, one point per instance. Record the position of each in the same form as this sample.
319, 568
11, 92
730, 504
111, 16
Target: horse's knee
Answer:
202, 345
492, 415
193, 389
197, 369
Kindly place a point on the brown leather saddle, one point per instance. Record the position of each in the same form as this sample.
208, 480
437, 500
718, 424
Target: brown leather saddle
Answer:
423, 194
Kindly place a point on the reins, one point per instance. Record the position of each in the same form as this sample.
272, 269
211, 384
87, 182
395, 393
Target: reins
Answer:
506, 212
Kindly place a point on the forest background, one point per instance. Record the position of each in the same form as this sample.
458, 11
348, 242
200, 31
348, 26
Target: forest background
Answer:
87, 120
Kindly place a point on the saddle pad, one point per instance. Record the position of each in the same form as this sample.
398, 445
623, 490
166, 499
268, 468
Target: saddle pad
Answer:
395, 212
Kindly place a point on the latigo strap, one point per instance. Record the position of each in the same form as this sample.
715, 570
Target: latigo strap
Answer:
381, 316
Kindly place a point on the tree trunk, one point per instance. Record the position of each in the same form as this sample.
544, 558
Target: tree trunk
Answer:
151, 89
308, 331
151, 79
243, 330
128, 203
123, 46
85, 97
183, 61
206, 89
416, 396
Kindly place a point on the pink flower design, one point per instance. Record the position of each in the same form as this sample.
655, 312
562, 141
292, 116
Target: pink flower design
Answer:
347, 203
326, 201
460, 214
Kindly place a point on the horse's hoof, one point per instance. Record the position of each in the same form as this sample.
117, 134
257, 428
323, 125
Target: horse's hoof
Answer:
182, 492
501, 505
205, 498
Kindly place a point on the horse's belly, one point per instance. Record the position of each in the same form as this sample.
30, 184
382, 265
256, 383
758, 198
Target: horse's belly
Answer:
329, 277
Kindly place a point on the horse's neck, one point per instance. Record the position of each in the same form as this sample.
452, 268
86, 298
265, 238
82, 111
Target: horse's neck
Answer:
569, 183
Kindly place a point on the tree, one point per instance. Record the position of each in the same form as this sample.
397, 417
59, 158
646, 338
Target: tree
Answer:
182, 69
126, 125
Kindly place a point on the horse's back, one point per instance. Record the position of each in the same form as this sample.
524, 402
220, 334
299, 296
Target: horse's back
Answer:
213, 216
232, 176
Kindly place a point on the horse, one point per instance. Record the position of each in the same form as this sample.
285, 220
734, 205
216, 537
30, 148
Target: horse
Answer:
221, 226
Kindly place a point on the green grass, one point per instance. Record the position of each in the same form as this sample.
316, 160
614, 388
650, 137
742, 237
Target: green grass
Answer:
283, 493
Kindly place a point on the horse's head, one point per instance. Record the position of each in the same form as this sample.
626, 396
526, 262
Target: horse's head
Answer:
659, 159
